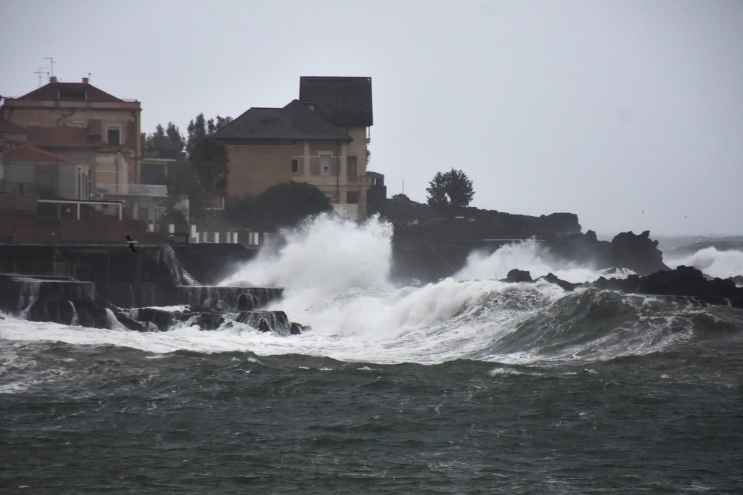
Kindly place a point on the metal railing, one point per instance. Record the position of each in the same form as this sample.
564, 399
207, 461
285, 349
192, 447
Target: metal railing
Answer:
151, 190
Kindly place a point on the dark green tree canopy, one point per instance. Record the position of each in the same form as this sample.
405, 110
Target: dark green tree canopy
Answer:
452, 188
207, 156
165, 143
283, 205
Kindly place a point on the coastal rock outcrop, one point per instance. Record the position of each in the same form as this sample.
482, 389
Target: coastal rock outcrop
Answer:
637, 252
564, 284
683, 281
516, 275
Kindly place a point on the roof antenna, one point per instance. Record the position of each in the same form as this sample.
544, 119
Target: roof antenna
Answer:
40, 73
51, 64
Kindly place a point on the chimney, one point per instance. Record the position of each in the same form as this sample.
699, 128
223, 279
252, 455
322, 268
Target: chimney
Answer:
86, 80
53, 79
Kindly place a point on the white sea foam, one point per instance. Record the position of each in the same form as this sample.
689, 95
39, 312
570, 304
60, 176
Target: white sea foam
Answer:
335, 275
527, 255
712, 261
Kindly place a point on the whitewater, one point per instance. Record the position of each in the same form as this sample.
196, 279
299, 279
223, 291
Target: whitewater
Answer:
465, 385
714, 262
336, 276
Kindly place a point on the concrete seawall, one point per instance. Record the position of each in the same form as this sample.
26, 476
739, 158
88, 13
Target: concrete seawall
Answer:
148, 276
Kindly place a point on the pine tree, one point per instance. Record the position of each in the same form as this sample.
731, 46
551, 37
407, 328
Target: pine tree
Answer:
452, 188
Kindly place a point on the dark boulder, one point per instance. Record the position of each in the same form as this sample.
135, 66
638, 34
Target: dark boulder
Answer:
637, 252
683, 281
554, 279
297, 328
266, 321
129, 322
162, 319
516, 275
209, 321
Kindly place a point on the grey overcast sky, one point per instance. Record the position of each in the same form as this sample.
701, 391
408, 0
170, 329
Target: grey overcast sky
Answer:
628, 113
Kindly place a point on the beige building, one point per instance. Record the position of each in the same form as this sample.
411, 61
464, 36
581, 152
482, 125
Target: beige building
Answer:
320, 139
96, 134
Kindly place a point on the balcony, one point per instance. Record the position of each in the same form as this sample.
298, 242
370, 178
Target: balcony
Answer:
147, 190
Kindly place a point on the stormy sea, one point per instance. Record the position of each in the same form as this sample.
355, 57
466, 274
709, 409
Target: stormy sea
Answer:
467, 385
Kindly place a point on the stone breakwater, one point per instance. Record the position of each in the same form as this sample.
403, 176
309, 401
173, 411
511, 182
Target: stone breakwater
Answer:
110, 286
73, 302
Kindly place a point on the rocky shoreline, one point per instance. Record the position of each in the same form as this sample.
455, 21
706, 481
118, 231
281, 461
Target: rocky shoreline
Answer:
683, 281
69, 301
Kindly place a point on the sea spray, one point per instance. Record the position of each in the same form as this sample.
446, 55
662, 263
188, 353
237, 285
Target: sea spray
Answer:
335, 275
28, 296
526, 255
712, 261
75, 320
113, 322
326, 254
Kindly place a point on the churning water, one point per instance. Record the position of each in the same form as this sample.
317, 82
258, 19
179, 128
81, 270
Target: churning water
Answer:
466, 385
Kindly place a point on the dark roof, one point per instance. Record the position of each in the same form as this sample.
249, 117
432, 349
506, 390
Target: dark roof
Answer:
294, 122
71, 91
344, 101
30, 153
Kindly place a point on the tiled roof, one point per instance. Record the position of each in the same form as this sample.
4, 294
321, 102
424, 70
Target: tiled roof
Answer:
294, 122
30, 153
344, 101
73, 91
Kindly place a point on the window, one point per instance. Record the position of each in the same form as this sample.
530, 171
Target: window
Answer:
353, 167
113, 135
352, 197
325, 165
295, 166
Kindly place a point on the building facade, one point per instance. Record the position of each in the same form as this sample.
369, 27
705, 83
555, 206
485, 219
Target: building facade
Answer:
94, 138
320, 138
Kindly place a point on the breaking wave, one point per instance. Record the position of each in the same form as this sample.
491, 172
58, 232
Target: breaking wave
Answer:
335, 275
712, 261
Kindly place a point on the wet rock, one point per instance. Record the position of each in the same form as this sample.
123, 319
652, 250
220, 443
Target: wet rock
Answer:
221, 298
129, 322
517, 275
162, 319
297, 328
683, 281
91, 314
209, 321
637, 252
266, 321
554, 279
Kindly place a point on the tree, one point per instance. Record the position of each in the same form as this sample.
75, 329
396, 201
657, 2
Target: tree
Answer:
452, 188
206, 155
165, 143
282, 205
